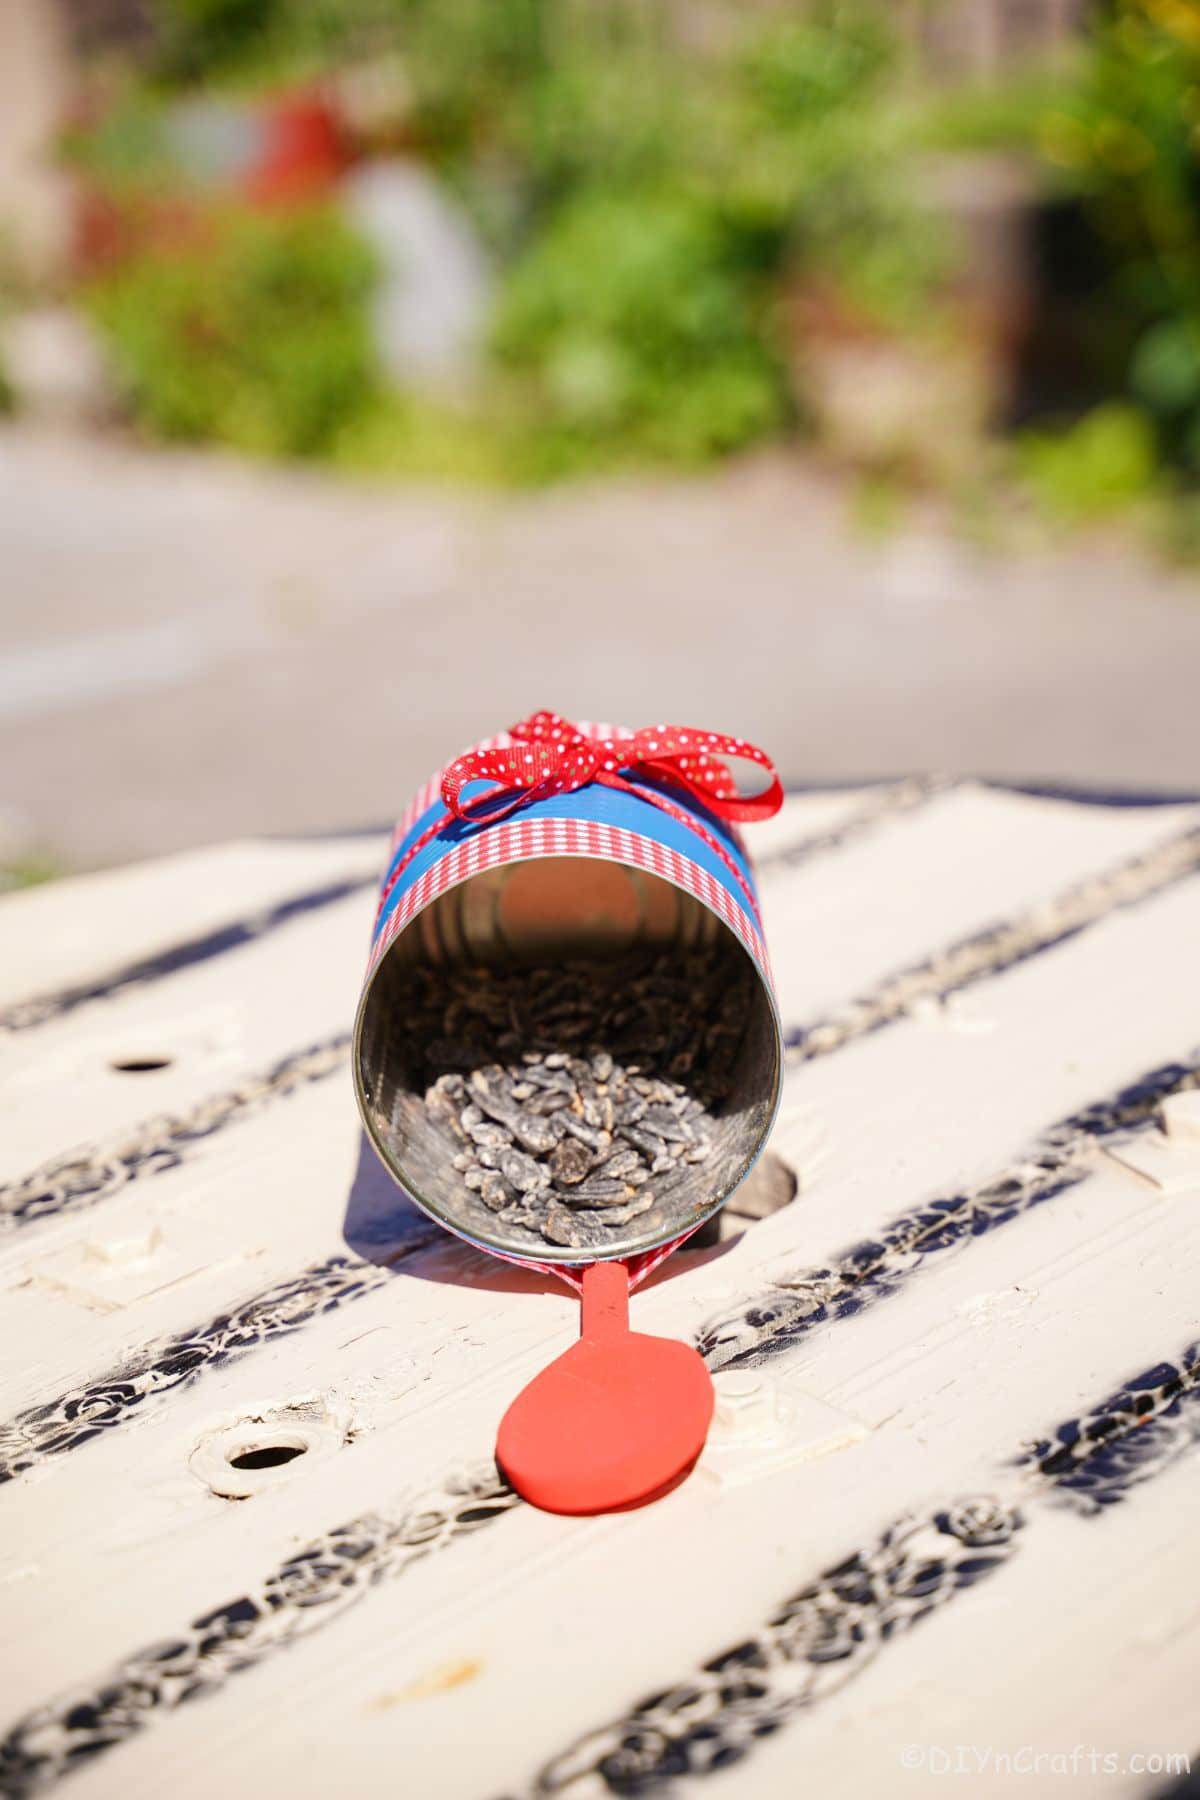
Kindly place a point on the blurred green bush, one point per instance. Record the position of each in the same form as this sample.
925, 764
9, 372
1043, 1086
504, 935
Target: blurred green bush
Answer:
252, 331
244, 41
199, 38
1094, 470
642, 330
676, 208
1128, 137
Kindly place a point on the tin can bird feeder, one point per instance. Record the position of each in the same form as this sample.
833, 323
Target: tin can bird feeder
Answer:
568, 1052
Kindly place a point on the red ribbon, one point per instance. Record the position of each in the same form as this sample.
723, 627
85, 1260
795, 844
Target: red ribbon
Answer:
552, 756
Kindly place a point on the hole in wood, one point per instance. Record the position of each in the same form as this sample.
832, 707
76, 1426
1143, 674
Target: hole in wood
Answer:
267, 1456
141, 1065
770, 1186
246, 1456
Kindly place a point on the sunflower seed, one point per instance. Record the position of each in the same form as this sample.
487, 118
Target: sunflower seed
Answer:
534, 1133
494, 1191
570, 1161
597, 1190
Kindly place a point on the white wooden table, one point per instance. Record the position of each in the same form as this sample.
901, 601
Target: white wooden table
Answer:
947, 1518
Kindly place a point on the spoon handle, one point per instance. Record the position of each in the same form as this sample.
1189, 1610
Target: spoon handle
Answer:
605, 1302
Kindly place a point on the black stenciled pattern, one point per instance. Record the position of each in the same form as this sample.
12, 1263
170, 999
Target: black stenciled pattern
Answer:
313, 1587
823, 1637
1182, 1787
1095, 1460
812, 1645
73, 1418
817, 1641
1002, 946
796, 1304
41, 1008
890, 802
90, 1174
762, 1327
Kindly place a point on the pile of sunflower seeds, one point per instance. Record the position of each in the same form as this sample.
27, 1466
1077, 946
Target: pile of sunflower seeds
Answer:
578, 1096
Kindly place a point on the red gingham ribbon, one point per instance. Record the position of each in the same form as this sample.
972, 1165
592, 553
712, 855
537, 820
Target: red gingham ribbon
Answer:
552, 756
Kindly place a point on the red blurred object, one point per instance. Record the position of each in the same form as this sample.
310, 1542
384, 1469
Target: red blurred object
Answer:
304, 151
296, 152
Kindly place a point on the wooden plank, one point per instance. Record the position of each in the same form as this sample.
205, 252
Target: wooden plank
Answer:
77, 930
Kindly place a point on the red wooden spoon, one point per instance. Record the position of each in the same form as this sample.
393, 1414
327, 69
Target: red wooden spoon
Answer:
619, 1418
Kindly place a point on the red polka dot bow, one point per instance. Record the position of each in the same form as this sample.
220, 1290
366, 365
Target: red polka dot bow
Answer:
551, 756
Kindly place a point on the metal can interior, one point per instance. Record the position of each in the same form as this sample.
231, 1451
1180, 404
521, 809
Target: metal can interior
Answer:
537, 912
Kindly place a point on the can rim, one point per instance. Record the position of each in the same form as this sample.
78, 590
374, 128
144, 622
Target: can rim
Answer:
566, 1257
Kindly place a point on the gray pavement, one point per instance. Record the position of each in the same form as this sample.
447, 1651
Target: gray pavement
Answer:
193, 648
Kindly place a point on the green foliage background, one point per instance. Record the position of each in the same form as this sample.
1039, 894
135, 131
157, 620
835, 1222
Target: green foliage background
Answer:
645, 207
651, 201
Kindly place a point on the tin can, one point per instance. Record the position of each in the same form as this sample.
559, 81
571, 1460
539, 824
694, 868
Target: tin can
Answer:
570, 843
